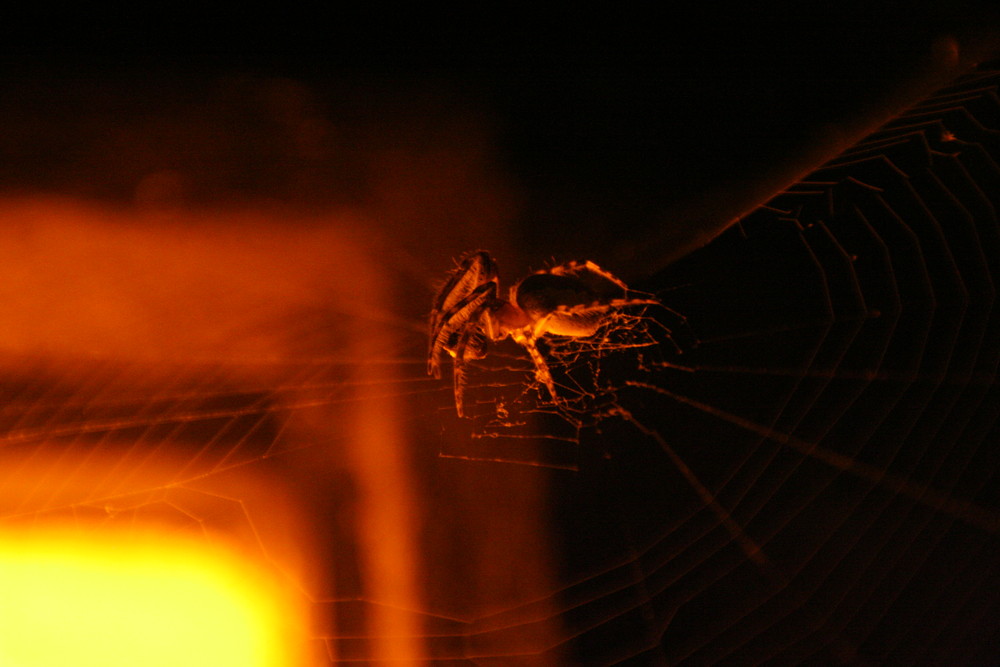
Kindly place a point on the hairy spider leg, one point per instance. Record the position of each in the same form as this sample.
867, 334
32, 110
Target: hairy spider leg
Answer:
579, 270
467, 284
458, 369
474, 270
463, 314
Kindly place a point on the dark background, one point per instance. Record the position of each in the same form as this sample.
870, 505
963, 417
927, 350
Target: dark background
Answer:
614, 124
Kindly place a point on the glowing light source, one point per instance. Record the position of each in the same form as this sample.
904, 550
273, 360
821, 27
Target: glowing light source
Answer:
111, 599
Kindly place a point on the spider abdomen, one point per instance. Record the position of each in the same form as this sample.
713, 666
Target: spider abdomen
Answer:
541, 293
576, 322
562, 303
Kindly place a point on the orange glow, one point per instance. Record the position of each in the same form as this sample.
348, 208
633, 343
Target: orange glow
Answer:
388, 506
237, 375
109, 599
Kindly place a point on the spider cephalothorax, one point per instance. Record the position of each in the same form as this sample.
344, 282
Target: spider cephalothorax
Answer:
572, 299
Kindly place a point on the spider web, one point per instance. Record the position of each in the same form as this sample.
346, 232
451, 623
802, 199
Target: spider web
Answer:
833, 420
792, 461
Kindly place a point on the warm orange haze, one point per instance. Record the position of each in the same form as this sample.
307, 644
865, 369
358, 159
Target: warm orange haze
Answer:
181, 316
225, 345
182, 379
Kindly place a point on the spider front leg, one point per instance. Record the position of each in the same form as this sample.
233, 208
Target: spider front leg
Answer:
471, 345
471, 286
447, 327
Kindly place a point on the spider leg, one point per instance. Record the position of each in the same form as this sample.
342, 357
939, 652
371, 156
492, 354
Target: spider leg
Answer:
461, 314
542, 372
474, 270
581, 270
458, 369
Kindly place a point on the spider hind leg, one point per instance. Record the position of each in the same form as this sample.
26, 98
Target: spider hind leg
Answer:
542, 372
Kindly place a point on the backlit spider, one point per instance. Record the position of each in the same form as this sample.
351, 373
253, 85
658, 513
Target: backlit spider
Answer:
573, 299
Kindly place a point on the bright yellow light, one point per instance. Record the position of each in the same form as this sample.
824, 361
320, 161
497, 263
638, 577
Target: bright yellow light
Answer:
113, 600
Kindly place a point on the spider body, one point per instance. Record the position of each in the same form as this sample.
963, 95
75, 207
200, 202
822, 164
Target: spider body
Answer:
573, 299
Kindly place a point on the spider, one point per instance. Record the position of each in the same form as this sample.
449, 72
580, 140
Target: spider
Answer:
573, 299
